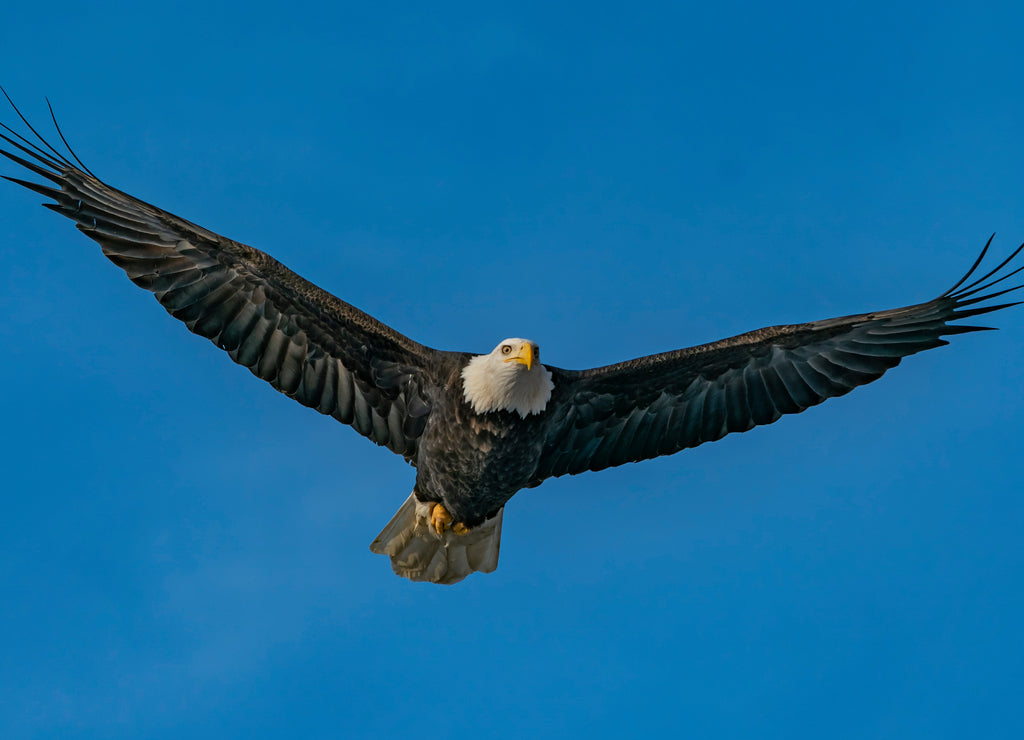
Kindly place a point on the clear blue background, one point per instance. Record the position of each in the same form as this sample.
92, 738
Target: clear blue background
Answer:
183, 551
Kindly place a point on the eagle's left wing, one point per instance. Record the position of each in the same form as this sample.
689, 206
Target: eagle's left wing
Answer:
660, 404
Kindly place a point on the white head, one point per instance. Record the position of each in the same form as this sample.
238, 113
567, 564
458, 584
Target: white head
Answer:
510, 378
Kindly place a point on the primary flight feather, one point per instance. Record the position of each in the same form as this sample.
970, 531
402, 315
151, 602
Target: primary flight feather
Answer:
478, 428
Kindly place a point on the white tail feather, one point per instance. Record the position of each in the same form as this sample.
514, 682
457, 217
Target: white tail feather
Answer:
418, 553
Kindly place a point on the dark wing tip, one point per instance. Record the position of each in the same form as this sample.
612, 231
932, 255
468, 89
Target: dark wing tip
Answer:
53, 117
984, 282
980, 290
45, 190
40, 149
974, 267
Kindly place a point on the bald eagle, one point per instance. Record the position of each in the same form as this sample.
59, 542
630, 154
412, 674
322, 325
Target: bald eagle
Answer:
478, 428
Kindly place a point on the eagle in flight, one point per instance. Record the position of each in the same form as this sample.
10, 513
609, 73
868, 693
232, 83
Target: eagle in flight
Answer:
479, 427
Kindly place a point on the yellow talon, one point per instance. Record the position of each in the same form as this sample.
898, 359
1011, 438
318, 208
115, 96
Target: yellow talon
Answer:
439, 518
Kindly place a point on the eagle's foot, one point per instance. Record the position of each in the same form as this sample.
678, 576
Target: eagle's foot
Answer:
440, 519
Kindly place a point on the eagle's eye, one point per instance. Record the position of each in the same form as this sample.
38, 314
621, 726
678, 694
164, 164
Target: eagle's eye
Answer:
506, 348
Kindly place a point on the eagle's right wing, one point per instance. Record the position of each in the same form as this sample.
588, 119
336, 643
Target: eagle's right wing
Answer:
306, 343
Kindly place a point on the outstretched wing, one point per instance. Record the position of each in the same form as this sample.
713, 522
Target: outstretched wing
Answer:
306, 343
660, 404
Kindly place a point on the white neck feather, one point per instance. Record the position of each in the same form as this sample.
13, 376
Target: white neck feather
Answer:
492, 385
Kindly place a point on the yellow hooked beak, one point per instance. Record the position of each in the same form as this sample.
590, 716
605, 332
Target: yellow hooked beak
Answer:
524, 355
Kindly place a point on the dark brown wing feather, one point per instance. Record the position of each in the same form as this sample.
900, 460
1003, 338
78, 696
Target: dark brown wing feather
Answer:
660, 404
306, 343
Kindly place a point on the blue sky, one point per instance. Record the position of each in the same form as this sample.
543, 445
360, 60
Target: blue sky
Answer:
184, 551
